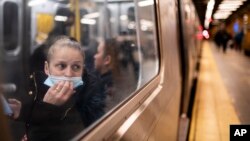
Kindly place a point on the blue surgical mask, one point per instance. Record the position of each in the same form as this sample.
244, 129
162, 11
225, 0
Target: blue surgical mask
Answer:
52, 80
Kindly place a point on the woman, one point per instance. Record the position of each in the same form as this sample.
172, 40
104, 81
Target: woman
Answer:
67, 99
106, 66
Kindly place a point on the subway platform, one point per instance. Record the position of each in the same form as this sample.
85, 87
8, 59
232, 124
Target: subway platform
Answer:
223, 94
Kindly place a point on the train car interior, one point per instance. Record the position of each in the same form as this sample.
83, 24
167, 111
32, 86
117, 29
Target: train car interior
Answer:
154, 61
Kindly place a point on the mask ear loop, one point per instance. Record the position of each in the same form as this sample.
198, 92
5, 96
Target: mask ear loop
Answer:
47, 65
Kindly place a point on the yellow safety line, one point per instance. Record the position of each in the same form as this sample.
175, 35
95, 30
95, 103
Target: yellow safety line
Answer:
213, 111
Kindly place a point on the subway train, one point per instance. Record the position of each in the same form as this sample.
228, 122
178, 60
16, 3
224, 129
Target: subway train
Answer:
157, 54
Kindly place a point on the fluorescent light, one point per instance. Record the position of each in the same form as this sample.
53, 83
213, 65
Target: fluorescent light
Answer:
209, 14
146, 23
92, 15
144, 28
131, 25
223, 6
210, 7
36, 2
88, 21
226, 7
222, 15
232, 2
224, 10
61, 18
124, 17
145, 3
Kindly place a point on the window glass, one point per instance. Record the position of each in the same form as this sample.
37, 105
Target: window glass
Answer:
148, 51
104, 20
10, 25
119, 40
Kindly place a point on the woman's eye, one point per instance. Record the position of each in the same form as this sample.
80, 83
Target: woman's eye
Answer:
76, 67
61, 66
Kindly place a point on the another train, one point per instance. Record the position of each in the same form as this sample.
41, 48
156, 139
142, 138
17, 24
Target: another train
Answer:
158, 57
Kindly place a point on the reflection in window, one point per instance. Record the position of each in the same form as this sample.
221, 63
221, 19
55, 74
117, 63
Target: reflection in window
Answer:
136, 48
123, 56
118, 37
10, 25
148, 43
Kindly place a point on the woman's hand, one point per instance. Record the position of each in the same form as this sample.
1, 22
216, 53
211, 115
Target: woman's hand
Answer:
15, 106
59, 93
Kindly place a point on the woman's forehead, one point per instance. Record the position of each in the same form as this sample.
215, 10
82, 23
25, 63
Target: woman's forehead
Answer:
67, 49
66, 52
101, 46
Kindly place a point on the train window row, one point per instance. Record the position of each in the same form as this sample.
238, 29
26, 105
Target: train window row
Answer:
127, 27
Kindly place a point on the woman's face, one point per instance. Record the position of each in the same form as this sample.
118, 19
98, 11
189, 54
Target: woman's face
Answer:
66, 62
98, 58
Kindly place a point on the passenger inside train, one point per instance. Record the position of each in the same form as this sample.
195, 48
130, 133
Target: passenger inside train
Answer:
67, 98
128, 50
172, 84
63, 20
92, 20
106, 65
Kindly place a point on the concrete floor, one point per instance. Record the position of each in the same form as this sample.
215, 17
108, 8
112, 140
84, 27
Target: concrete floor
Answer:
214, 109
234, 68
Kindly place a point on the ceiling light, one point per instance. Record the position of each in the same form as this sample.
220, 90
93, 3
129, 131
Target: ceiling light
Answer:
61, 18
92, 15
222, 15
145, 3
88, 21
124, 17
226, 7
232, 2
210, 7
36, 2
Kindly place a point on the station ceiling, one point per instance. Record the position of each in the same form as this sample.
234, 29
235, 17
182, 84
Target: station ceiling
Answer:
201, 7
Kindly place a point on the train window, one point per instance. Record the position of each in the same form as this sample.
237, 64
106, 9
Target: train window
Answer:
10, 25
120, 44
94, 21
136, 60
147, 39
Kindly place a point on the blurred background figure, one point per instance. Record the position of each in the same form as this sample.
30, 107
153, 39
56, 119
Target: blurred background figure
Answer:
222, 37
63, 20
127, 49
238, 40
106, 66
90, 51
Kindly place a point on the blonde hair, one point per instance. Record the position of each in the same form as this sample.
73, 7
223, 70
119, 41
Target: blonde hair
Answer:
64, 41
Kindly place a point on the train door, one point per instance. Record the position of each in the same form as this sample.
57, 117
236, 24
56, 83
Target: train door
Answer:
12, 53
11, 49
188, 51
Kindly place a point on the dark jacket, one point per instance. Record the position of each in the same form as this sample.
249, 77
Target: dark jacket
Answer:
49, 122
222, 37
107, 82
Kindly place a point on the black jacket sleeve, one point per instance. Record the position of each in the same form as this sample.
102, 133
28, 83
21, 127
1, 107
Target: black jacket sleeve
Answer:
38, 112
91, 101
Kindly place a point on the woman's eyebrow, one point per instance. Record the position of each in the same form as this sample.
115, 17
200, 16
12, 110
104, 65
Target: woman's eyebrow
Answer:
60, 61
77, 61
